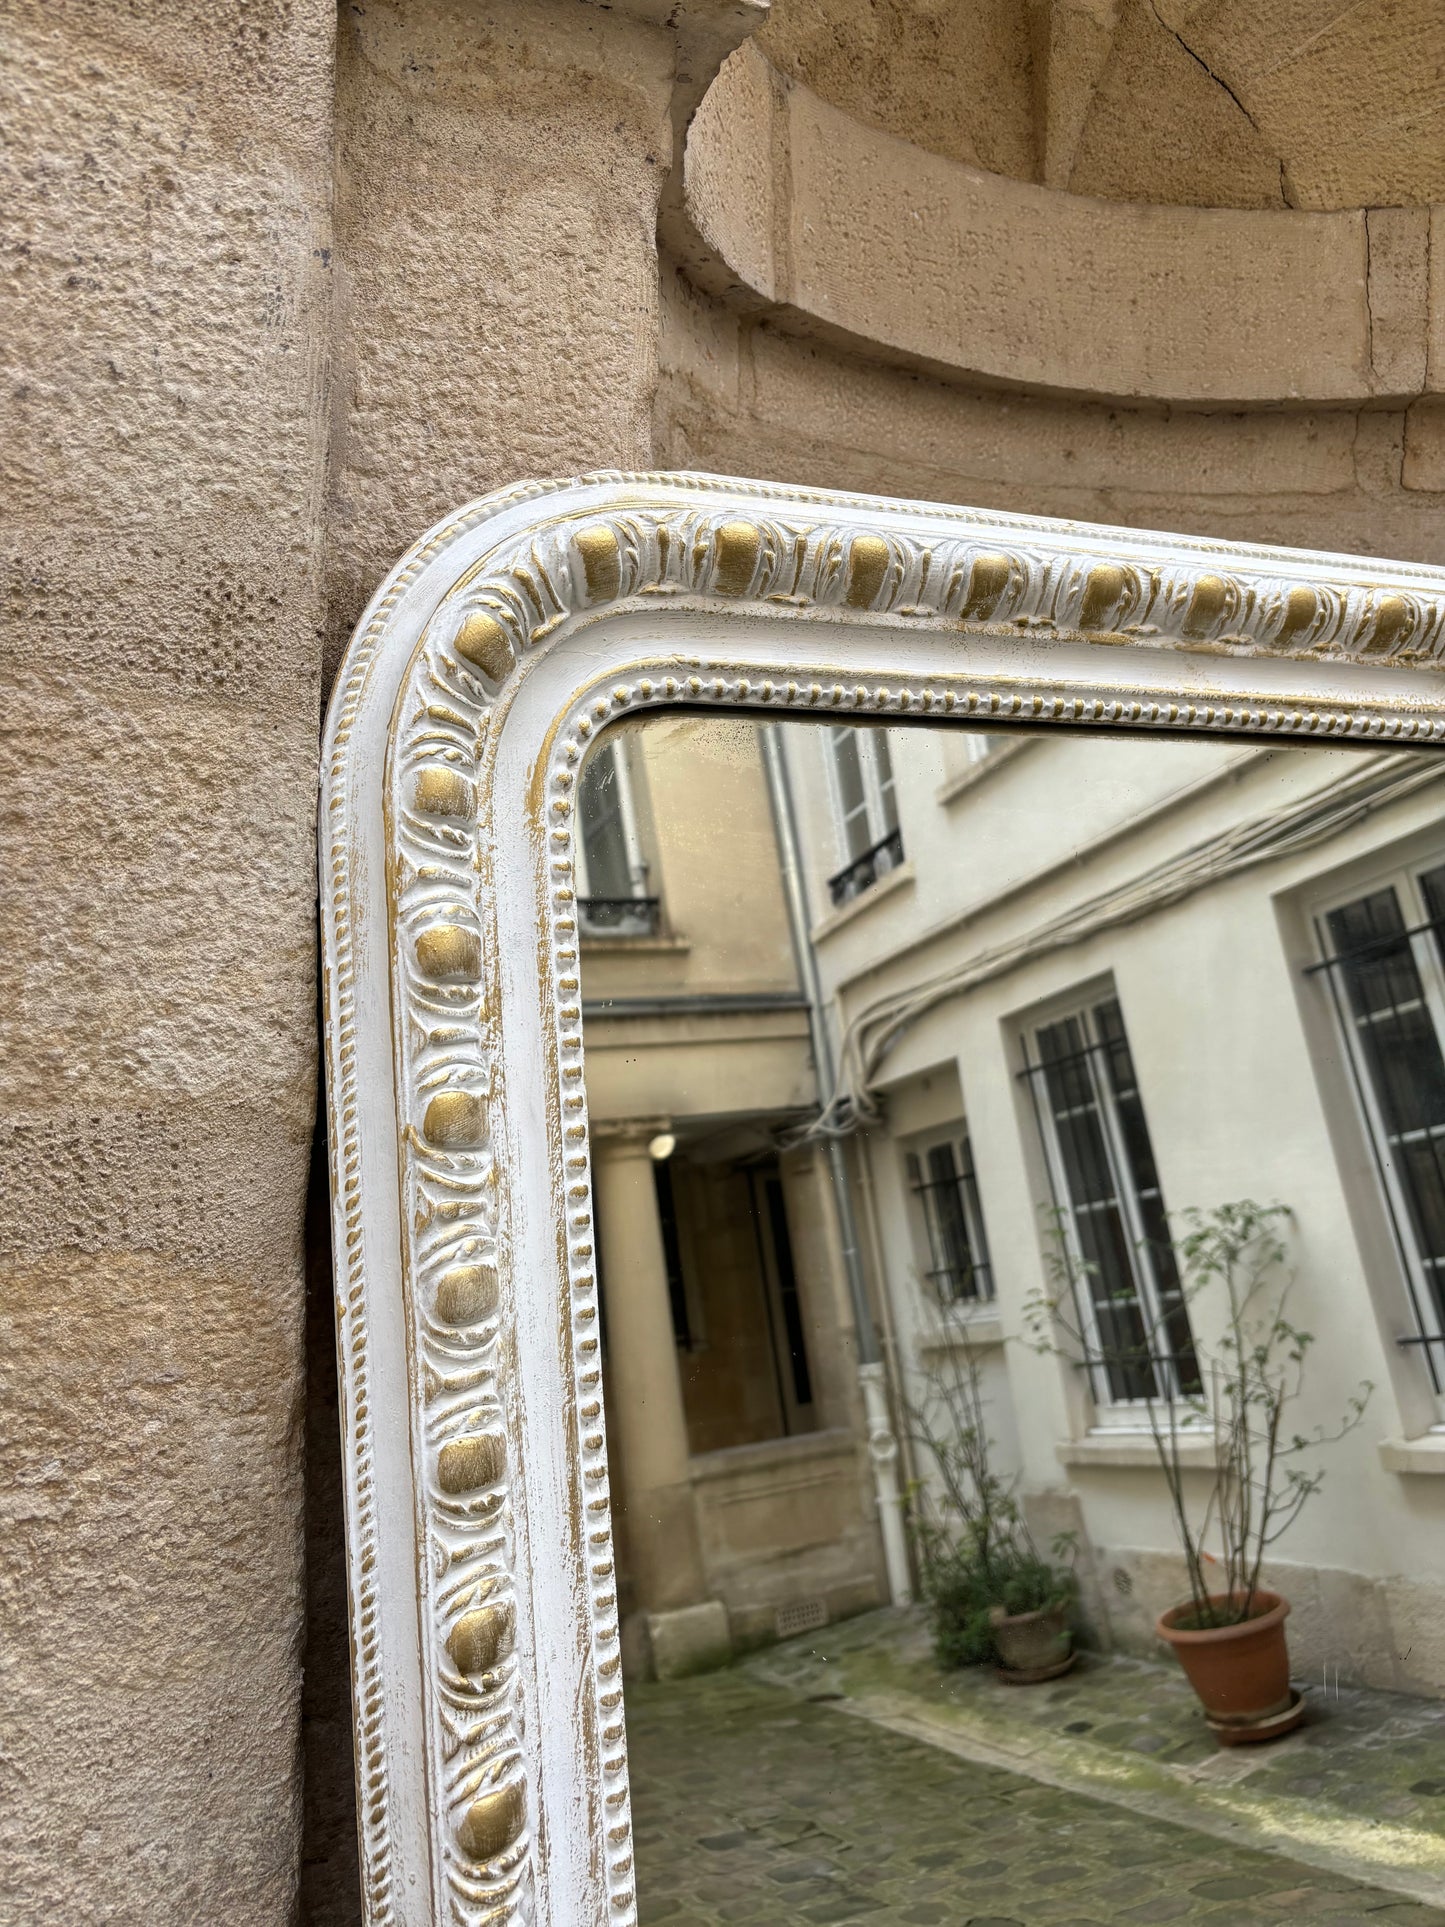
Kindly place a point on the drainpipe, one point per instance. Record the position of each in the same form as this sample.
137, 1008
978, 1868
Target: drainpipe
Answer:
882, 1444
892, 1356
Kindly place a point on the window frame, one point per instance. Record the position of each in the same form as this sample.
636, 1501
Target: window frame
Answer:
977, 745
1110, 1411
785, 1305
930, 1239
1392, 871
639, 869
882, 852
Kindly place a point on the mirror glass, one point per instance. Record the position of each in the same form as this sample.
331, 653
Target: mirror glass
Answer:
1021, 1208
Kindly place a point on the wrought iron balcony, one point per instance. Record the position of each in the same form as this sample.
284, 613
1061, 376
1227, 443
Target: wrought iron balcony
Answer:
865, 870
619, 916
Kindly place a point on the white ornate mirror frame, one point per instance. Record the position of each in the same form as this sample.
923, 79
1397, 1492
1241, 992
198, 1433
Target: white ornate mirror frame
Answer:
491, 1764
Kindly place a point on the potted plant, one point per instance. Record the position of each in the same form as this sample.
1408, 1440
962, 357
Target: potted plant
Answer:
1228, 1635
989, 1593
1032, 1621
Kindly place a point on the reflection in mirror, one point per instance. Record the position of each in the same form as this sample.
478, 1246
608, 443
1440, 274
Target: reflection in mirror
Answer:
1019, 1165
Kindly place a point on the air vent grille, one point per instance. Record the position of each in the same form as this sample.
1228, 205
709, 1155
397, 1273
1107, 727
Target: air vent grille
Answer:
801, 1616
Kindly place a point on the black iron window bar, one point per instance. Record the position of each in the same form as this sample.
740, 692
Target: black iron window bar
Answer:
1095, 1359
620, 916
973, 1277
1331, 967
1377, 946
1031, 1076
865, 870
959, 1284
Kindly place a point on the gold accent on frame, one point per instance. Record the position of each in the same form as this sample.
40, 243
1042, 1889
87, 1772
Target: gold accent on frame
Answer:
1300, 609
601, 562
868, 557
444, 792
1392, 620
480, 1639
484, 643
988, 578
467, 1417
466, 1293
1103, 592
468, 1464
450, 952
1207, 604
737, 545
455, 1120
492, 1823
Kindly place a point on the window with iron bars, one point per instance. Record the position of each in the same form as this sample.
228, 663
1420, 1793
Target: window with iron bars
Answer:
1131, 1310
942, 1179
865, 807
612, 896
1383, 962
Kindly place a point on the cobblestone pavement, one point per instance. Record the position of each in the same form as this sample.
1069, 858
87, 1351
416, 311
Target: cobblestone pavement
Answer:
1359, 1788
753, 1805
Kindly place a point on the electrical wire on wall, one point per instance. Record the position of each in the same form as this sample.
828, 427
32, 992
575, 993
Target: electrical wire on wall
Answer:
875, 1031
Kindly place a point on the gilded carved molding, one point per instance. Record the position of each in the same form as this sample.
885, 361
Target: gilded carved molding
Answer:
490, 1748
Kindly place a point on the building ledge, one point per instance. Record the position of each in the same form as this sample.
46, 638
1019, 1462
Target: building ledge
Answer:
698, 1003
967, 779
970, 1331
874, 894
624, 946
1424, 1454
836, 1442
1133, 1451
1229, 294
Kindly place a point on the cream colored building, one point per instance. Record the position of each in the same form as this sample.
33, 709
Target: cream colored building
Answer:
744, 1498
291, 281
1114, 980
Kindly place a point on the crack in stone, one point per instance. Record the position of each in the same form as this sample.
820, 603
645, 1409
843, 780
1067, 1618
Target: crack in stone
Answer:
1224, 87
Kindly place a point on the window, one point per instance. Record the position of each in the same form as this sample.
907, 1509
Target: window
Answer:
1384, 963
1080, 1072
612, 876
672, 1253
684, 1333
785, 1303
866, 809
941, 1177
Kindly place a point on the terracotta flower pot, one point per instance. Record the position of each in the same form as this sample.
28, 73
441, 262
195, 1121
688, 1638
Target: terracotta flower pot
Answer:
1241, 1673
1032, 1646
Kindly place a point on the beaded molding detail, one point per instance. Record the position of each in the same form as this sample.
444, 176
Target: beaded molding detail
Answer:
693, 547
353, 1333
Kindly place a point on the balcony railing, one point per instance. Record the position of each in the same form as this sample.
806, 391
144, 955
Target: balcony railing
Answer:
865, 870
619, 916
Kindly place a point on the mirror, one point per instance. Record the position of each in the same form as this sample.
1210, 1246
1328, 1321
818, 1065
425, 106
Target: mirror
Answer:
936, 1079
923, 1178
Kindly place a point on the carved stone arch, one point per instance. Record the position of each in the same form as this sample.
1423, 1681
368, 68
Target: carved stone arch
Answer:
488, 1702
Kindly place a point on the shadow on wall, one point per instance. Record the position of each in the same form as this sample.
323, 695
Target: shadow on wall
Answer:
330, 1874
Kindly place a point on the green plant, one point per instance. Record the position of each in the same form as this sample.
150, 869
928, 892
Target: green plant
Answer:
1036, 1584
1239, 1389
975, 1550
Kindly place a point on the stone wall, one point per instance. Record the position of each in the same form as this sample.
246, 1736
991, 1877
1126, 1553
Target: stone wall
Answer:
212, 464
167, 209
498, 168
1194, 102
744, 395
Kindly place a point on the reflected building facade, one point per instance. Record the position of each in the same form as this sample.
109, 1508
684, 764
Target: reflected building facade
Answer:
1099, 983
1077, 986
740, 1477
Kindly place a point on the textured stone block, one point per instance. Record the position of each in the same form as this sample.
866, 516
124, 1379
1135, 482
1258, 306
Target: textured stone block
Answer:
689, 1639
